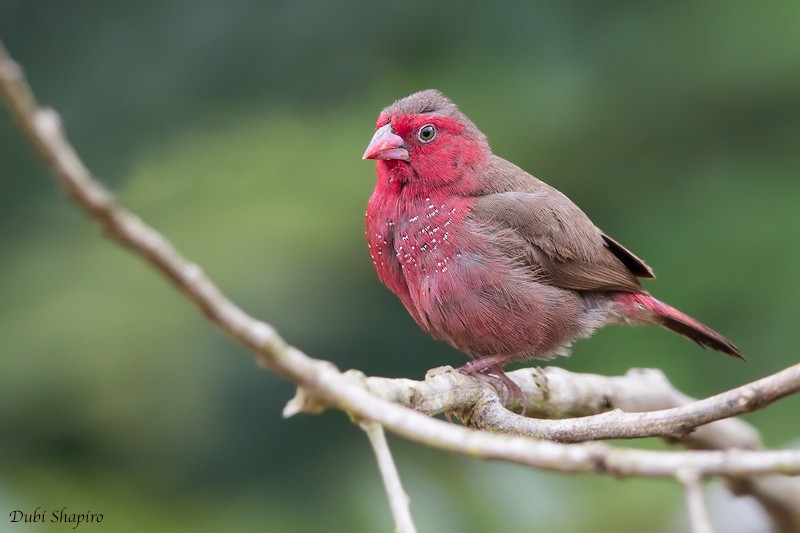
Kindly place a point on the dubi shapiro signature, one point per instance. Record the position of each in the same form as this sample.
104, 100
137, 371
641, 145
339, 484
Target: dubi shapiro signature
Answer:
59, 516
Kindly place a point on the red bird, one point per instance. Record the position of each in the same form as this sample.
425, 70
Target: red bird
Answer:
489, 259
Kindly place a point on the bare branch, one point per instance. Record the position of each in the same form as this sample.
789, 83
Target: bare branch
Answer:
398, 499
698, 512
550, 391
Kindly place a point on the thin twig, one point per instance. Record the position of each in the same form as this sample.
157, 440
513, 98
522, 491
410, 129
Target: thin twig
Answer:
695, 503
398, 499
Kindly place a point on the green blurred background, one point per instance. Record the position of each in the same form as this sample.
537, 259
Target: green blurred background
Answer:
236, 128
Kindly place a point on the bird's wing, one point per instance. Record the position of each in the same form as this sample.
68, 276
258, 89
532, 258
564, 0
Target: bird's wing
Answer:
558, 240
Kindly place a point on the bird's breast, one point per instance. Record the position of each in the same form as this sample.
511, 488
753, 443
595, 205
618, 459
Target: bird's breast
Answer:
415, 244
424, 241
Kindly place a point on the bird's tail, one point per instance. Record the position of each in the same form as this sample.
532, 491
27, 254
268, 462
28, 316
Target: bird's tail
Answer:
645, 309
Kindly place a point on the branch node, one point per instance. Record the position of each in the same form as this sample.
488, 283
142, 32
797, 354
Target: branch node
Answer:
303, 402
438, 371
747, 398
268, 339
356, 375
48, 123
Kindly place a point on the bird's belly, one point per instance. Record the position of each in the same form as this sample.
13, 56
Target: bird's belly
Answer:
484, 305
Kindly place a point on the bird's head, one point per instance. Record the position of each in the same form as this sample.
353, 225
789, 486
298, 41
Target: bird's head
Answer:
424, 138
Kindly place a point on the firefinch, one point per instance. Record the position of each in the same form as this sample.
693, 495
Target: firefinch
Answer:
490, 259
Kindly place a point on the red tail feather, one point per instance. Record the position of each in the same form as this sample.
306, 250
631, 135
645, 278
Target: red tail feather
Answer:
656, 311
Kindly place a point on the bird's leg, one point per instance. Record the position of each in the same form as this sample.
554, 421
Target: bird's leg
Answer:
490, 369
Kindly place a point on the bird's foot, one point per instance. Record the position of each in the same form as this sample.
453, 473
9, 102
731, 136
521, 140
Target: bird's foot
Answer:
490, 370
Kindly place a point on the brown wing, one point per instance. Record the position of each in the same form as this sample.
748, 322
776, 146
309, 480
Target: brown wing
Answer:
559, 240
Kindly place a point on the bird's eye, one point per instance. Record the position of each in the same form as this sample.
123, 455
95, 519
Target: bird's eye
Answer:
427, 133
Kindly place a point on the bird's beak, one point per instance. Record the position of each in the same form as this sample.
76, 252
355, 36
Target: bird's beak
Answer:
386, 144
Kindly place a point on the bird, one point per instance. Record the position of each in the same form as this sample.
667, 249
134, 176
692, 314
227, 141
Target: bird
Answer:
490, 259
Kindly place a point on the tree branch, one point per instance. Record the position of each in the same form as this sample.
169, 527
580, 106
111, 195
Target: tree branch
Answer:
398, 499
698, 513
554, 392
